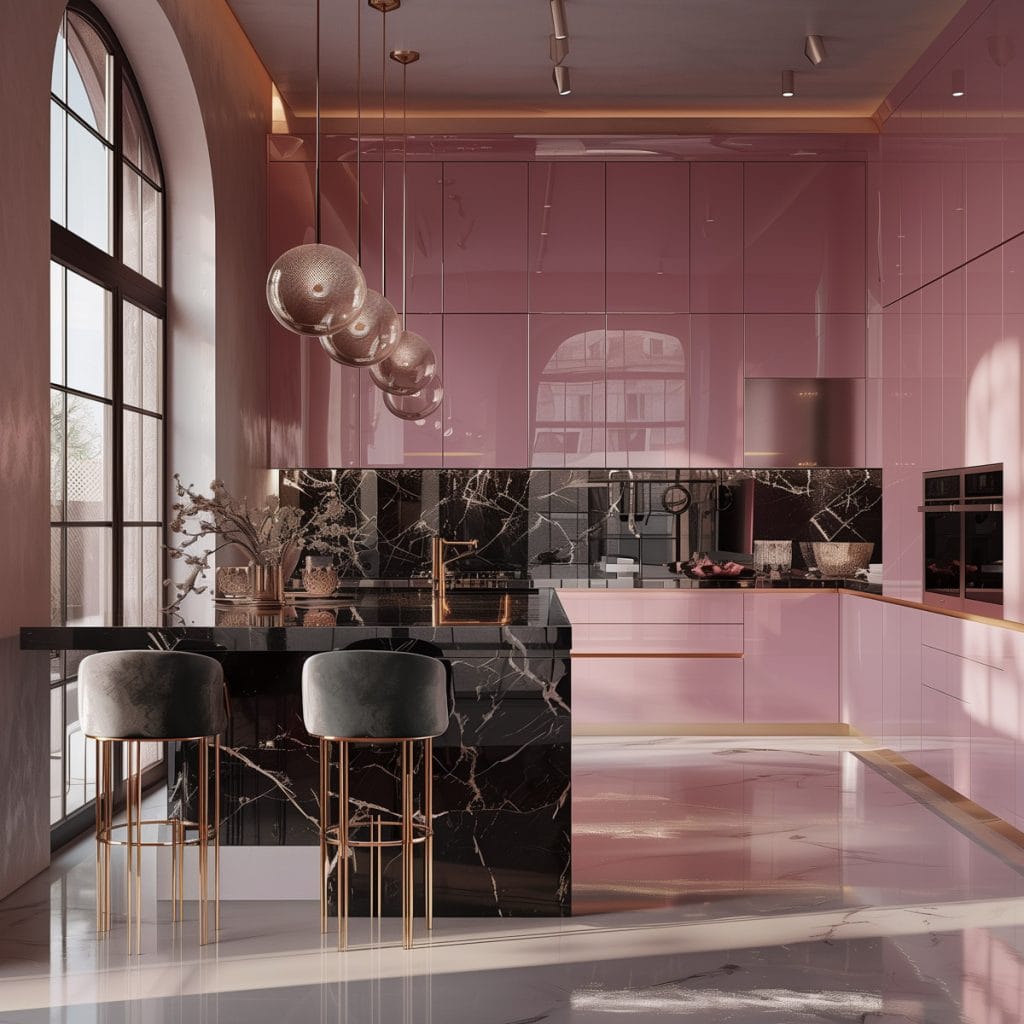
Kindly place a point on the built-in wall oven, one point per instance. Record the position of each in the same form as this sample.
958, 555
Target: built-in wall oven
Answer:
963, 539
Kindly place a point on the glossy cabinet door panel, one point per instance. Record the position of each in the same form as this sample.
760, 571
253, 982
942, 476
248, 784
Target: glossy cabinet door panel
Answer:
656, 692
567, 389
657, 637
596, 606
791, 658
386, 440
647, 390
945, 739
566, 240
860, 664
648, 242
422, 255
485, 235
486, 400
805, 345
716, 390
716, 238
804, 238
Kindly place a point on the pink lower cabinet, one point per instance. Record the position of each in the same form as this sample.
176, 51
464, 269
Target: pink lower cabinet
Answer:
667, 693
790, 657
861, 664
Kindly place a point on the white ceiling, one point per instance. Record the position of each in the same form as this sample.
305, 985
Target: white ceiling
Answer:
648, 57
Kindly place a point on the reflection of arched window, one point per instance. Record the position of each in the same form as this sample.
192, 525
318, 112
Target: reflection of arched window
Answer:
609, 395
108, 305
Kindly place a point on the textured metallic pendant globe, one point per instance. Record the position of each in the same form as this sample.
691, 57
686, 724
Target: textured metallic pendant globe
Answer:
407, 367
315, 289
419, 405
370, 337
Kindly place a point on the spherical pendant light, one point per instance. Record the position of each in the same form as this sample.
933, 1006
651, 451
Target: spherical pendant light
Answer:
419, 405
315, 289
370, 337
409, 365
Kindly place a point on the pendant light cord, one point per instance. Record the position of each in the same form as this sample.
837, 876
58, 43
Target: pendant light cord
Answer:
317, 158
359, 131
405, 227
383, 149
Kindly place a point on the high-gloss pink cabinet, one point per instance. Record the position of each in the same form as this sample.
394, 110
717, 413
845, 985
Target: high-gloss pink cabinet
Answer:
715, 378
861, 665
486, 401
647, 390
805, 345
648, 239
485, 236
716, 237
567, 389
804, 238
566, 237
790, 657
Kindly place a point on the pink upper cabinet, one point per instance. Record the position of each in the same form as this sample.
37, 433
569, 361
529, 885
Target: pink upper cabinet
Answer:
1012, 27
485, 237
803, 345
567, 383
716, 389
423, 234
566, 242
647, 243
485, 367
804, 238
647, 390
716, 238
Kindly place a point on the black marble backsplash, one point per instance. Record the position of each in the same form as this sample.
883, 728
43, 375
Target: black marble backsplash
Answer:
560, 524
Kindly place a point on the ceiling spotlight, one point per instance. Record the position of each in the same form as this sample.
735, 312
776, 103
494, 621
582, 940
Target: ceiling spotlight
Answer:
558, 20
560, 74
958, 84
559, 49
814, 49
788, 89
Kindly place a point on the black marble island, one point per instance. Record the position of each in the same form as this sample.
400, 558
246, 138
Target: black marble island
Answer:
501, 773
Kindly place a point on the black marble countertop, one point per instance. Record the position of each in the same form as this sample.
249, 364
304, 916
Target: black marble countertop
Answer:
792, 582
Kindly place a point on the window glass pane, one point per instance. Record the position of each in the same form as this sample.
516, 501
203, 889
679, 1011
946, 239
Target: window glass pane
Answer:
89, 579
56, 455
132, 576
151, 463
131, 127
79, 756
57, 74
152, 363
143, 575
88, 446
56, 568
131, 343
58, 165
56, 754
56, 323
152, 233
88, 326
131, 233
87, 74
133, 459
88, 186
152, 574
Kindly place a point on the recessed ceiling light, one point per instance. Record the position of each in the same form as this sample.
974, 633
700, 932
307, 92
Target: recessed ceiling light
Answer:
560, 73
788, 88
814, 49
958, 83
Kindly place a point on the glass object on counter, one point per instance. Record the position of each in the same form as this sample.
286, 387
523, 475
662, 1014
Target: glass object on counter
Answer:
320, 576
842, 559
233, 581
773, 554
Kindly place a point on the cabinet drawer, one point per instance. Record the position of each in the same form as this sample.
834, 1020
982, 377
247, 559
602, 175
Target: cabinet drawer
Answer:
655, 638
637, 606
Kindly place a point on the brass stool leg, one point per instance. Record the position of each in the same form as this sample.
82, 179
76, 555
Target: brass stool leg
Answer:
216, 833
407, 847
99, 836
129, 809
428, 817
108, 815
203, 783
324, 795
343, 826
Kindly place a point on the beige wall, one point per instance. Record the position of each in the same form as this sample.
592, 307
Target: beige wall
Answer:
210, 100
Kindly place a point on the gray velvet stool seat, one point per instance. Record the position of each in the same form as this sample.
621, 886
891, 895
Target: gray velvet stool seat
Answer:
135, 697
377, 697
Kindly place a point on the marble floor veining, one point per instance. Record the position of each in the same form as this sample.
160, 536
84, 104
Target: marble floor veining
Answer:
716, 880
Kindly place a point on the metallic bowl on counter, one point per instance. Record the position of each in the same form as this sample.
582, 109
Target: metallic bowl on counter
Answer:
842, 559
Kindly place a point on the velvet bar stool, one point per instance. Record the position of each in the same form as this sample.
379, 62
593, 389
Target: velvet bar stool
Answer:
375, 697
136, 697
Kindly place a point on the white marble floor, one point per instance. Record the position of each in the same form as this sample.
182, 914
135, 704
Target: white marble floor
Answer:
716, 880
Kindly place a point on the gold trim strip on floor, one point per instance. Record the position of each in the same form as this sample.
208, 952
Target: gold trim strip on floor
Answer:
978, 823
712, 729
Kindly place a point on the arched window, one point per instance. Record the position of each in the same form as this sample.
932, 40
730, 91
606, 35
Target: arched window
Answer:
108, 304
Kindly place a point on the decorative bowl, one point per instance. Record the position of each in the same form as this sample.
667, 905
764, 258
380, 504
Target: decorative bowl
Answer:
842, 558
773, 554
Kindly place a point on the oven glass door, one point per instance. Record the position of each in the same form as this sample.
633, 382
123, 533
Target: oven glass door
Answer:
983, 557
942, 554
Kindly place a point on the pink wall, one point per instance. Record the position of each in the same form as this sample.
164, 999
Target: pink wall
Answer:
599, 313
946, 334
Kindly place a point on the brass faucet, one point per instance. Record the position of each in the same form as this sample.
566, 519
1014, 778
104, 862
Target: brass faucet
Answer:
439, 565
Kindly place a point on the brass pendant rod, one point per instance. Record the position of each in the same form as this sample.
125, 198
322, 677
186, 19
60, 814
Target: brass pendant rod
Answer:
383, 149
359, 131
405, 226
317, 158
